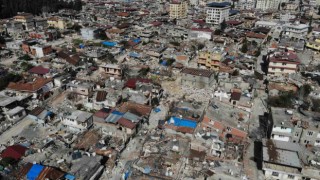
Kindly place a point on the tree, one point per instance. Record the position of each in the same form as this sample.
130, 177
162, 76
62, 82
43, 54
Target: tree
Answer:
223, 25
257, 52
244, 48
319, 10
2, 40
283, 4
305, 90
310, 24
285, 100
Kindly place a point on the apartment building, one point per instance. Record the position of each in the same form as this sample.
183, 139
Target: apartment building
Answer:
281, 63
217, 12
245, 4
296, 30
210, 60
269, 4
178, 9
56, 22
26, 19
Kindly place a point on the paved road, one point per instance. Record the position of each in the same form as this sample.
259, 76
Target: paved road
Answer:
15, 130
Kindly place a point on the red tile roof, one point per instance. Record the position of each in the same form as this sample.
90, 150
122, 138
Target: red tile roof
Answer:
15, 152
39, 70
101, 96
126, 123
102, 113
135, 108
29, 86
156, 23
202, 29
235, 96
255, 35
131, 83
50, 173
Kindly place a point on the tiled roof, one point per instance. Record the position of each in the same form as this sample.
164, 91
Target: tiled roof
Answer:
135, 108
202, 29
50, 173
15, 152
102, 113
197, 72
39, 70
71, 58
126, 123
255, 35
101, 96
29, 86
36, 111
235, 96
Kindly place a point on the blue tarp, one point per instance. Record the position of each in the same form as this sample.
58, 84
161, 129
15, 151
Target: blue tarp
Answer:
81, 46
34, 172
107, 43
69, 177
157, 110
114, 117
182, 122
135, 55
147, 170
137, 40
164, 62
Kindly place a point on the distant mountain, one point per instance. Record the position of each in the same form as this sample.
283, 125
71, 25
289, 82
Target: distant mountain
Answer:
9, 8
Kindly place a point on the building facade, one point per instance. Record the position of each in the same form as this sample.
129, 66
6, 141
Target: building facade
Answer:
281, 63
198, 78
217, 12
210, 60
178, 9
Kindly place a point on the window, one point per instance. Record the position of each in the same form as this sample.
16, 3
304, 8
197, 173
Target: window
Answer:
290, 176
282, 69
275, 174
297, 134
310, 133
283, 127
229, 129
284, 64
281, 136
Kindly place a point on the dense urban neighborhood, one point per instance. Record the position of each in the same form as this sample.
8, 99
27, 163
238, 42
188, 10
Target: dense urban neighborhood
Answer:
160, 90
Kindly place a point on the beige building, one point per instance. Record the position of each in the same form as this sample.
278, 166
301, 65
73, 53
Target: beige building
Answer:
178, 9
26, 19
281, 63
57, 23
210, 60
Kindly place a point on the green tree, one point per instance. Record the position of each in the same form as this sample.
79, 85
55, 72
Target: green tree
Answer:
283, 4
223, 25
244, 48
310, 24
257, 52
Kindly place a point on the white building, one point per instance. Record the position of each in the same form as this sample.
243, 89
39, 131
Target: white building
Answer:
266, 24
16, 114
296, 30
246, 4
77, 121
87, 33
217, 12
269, 4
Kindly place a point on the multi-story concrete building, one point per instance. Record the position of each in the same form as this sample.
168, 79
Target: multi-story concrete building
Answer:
281, 63
283, 128
198, 78
269, 4
56, 22
210, 60
77, 120
246, 4
217, 12
26, 19
296, 30
178, 9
